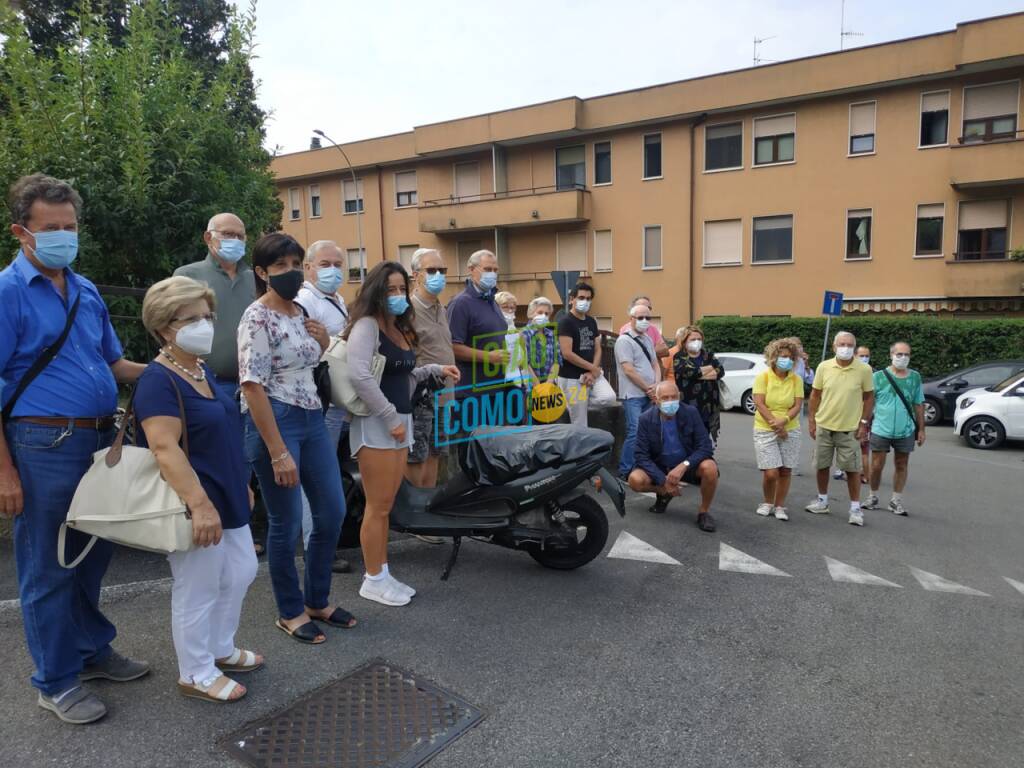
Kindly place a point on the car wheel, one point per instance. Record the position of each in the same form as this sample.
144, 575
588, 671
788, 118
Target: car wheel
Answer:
747, 402
984, 432
932, 412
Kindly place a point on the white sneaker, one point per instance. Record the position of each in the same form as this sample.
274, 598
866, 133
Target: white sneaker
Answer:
401, 586
764, 509
897, 508
872, 502
856, 518
383, 591
818, 507
780, 514
839, 475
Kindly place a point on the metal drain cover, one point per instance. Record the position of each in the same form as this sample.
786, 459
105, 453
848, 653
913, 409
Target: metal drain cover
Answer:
378, 716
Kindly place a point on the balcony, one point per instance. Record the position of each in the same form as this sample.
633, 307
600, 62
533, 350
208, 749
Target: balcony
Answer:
974, 278
983, 164
515, 208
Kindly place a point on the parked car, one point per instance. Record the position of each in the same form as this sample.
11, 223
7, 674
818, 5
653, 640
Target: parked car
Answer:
985, 418
941, 392
741, 368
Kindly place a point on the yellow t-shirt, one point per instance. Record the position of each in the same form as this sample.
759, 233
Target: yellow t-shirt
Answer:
779, 396
842, 394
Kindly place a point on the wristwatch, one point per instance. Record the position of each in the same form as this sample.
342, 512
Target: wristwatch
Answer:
864, 421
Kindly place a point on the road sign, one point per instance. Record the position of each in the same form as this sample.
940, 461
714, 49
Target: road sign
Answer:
565, 281
833, 304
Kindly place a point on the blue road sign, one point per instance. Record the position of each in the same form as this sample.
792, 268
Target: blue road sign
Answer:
833, 305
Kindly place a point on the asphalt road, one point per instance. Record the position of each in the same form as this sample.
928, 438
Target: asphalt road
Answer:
629, 663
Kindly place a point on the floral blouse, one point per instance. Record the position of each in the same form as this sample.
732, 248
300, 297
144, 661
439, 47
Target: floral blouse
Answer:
277, 352
702, 394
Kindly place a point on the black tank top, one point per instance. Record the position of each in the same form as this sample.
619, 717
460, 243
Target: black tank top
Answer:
395, 382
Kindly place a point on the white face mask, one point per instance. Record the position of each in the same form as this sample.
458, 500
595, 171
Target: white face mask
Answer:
540, 319
643, 325
510, 317
900, 361
695, 346
865, 359
583, 305
196, 338
844, 352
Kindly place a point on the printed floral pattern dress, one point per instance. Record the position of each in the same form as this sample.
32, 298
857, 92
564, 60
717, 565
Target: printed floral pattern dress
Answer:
277, 352
700, 393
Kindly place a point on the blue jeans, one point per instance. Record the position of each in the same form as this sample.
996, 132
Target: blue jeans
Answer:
306, 438
632, 408
334, 419
64, 627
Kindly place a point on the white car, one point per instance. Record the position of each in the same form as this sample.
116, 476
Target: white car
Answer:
987, 417
741, 368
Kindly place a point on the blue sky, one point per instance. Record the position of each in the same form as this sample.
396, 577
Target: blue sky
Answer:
364, 69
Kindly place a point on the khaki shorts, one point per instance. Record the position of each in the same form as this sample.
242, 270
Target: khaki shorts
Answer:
840, 448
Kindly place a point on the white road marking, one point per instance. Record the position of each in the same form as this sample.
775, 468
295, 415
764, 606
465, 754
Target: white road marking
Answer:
935, 583
629, 547
843, 572
1018, 585
731, 559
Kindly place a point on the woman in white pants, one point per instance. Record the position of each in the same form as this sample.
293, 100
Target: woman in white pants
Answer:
195, 433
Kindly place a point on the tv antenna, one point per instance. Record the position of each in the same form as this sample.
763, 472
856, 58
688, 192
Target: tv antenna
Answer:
843, 31
757, 42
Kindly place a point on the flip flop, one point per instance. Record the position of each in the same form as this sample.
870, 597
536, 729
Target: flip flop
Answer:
340, 618
239, 661
305, 633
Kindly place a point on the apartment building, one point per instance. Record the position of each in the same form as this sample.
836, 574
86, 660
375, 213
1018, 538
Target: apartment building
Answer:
893, 173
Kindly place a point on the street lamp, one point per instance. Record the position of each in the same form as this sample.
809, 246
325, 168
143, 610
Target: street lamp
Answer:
359, 202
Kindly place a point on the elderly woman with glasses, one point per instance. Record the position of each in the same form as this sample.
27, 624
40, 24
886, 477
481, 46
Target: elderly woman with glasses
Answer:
201, 457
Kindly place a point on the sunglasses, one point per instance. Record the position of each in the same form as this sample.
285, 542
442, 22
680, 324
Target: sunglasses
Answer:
436, 270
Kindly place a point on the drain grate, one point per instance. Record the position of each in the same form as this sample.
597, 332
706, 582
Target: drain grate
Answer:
380, 716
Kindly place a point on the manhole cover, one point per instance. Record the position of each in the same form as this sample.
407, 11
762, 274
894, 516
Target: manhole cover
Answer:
380, 715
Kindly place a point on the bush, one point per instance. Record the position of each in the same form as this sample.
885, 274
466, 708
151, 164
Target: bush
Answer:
939, 345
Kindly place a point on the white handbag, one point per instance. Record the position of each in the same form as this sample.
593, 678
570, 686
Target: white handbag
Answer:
343, 394
124, 499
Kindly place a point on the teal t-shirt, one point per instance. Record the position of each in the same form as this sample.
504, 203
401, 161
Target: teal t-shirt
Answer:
891, 418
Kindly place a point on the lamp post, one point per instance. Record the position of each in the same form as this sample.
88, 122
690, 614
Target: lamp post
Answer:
359, 202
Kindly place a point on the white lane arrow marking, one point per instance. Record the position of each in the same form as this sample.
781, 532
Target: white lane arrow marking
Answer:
1018, 585
843, 572
731, 559
935, 583
629, 547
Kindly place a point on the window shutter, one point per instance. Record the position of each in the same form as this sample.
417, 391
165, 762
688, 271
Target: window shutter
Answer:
990, 101
935, 102
983, 214
773, 126
723, 242
405, 181
602, 250
930, 211
862, 119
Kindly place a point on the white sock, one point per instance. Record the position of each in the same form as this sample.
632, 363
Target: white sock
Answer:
823, 498
384, 570
897, 496
855, 506
379, 577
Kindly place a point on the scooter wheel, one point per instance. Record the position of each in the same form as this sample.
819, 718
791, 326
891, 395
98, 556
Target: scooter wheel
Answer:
591, 525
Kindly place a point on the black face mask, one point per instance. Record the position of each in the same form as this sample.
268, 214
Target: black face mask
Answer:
287, 284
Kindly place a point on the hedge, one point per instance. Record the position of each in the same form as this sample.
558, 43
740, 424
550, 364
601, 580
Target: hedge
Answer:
939, 345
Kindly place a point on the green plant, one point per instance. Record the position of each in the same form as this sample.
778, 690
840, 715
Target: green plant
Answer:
939, 345
1017, 254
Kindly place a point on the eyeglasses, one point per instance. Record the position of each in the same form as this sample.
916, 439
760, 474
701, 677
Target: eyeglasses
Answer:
436, 270
210, 317
642, 317
229, 235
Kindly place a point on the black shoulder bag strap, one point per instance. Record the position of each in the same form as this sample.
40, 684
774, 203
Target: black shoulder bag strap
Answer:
337, 306
44, 359
642, 347
321, 374
903, 399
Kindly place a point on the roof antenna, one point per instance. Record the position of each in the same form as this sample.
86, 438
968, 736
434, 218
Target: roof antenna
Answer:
843, 31
757, 42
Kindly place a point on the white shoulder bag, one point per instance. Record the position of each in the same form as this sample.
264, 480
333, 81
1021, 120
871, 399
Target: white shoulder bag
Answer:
343, 394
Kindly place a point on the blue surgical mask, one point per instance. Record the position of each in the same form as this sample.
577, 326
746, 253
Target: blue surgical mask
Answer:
784, 363
55, 250
583, 305
231, 251
435, 283
488, 280
328, 279
397, 305
669, 407
865, 359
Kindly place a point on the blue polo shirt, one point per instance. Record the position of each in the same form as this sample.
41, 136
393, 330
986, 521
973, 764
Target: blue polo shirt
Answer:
78, 382
476, 321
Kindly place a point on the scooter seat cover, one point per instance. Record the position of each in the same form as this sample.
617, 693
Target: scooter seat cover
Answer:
495, 456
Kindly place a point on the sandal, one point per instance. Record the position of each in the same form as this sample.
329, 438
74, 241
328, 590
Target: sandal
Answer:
308, 633
204, 690
339, 618
240, 661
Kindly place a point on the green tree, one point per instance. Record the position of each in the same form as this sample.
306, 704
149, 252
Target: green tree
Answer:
153, 141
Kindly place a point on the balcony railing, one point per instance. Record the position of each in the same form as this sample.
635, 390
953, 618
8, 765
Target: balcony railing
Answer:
976, 256
511, 193
988, 138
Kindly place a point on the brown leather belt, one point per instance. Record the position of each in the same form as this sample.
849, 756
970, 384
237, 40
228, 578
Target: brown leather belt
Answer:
99, 424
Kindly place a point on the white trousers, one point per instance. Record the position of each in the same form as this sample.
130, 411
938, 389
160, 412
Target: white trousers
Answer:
206, 601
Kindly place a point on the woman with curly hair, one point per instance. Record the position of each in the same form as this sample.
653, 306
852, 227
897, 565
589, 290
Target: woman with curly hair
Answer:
698, 373
778, 396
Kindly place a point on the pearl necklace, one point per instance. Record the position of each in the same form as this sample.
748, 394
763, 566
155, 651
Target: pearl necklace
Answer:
183, 369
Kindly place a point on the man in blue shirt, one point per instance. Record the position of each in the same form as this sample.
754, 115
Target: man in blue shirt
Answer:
50, 432
673, 448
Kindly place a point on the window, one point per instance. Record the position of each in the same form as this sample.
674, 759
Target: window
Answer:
604, 323
603, 250
294, 204
723, 147
353, 194
988, 376
356, 265
603, 162
571, 250
735, 363
774, 139
652, 156
467, 182
652, 247
405, 253
858, 234
723, 242
571, 167
465, 249
656, 322
929, 230
990, 112
982, 228
862, 128
773, 239
934, 119
314, 201
405, 189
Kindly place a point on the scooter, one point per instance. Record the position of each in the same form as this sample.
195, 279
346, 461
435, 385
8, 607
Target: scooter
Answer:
526, 491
